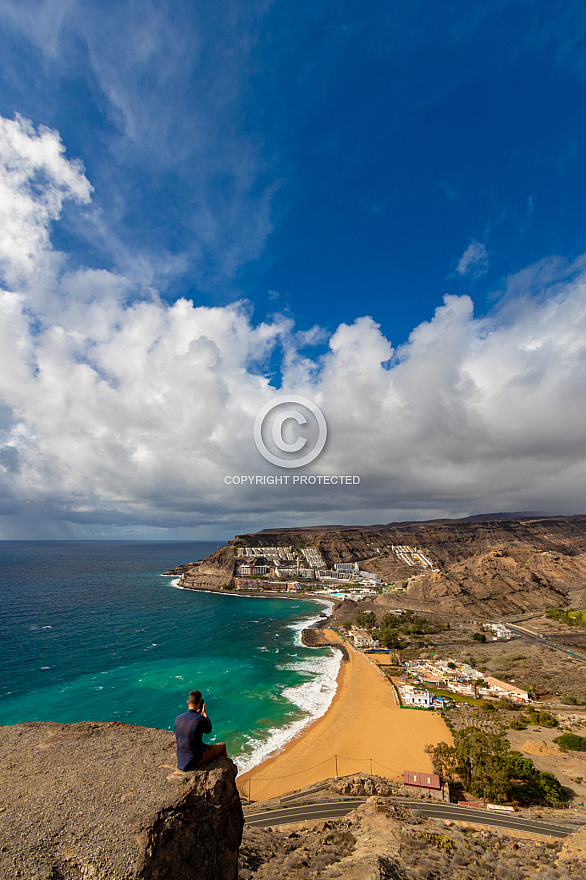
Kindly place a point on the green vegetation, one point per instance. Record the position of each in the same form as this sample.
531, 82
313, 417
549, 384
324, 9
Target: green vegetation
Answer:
441, 841
571, 741
479, 637
486, 767
454, 697
571, 618
366, 619
389, 638
407, 623
543, 719
517, 724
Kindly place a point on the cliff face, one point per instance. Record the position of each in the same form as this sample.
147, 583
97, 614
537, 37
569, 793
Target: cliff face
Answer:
495, 566
105, 801
210, 573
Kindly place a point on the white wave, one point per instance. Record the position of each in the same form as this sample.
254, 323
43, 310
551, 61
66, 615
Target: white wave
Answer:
308, 622
313, 697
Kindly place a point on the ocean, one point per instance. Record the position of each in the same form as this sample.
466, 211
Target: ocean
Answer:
93, 631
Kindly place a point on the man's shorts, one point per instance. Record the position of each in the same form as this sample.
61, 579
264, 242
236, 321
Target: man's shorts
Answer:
209, 753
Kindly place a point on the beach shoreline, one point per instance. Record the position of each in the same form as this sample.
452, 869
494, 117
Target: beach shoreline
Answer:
362, 731
324, 680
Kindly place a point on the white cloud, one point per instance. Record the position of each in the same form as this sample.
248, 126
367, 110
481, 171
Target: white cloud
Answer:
474, 260
130, 414
35, 179
173, 86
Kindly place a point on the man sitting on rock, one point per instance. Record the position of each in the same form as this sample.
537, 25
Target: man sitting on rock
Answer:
189, 728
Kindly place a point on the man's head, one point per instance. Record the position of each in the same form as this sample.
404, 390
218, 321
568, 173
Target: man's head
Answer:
194, 699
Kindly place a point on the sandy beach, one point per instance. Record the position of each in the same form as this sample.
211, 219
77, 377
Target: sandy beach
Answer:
364, 730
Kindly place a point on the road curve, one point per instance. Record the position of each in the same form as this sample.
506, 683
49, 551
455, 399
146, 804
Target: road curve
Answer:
439, 810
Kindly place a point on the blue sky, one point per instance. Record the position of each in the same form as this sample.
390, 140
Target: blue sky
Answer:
325, 166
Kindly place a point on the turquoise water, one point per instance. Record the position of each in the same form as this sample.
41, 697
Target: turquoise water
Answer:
91, 631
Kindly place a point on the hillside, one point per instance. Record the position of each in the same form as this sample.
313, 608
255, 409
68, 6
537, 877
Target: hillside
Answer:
483, 566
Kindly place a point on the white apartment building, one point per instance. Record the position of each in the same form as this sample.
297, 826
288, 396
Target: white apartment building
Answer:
501, 631
329, 574
313, 557
362, 639
414, 696
368, 578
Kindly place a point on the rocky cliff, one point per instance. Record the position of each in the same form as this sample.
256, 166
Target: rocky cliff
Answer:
105, 801
495, 566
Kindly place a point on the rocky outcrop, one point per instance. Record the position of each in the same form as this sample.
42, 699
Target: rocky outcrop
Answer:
314, 638
212, 573
105, 801
513, 578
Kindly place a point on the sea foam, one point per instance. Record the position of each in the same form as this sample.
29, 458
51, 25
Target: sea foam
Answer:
312, 697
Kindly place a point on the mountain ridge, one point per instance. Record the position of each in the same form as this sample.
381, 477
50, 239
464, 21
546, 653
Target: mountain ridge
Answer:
483, 566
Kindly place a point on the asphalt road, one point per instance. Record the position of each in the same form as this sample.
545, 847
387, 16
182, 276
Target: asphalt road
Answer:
538, 640
434, 810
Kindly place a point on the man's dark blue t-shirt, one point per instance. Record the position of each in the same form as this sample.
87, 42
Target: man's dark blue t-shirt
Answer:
189, 729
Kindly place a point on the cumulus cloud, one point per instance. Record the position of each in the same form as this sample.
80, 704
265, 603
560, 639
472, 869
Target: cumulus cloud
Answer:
474, 260
130, 412
35, 179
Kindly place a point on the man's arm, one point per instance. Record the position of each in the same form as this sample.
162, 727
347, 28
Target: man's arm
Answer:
204, 714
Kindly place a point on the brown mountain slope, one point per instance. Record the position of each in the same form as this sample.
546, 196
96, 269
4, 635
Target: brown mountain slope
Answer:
486, 566
510, 579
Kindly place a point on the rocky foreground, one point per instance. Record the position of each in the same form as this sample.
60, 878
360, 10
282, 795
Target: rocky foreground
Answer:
385, 841
105, 801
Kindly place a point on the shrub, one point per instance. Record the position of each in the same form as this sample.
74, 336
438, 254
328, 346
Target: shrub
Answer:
479, 637
545, 719
571, 741
517, 724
